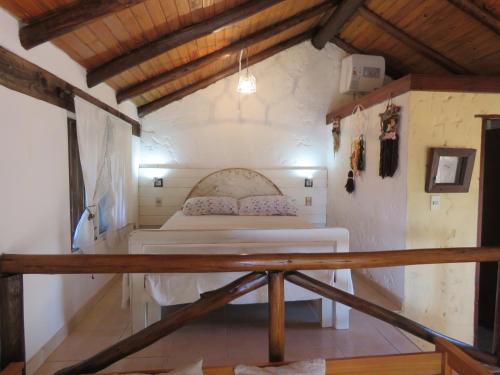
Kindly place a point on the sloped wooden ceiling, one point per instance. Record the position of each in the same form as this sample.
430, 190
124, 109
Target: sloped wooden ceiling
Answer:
424, 36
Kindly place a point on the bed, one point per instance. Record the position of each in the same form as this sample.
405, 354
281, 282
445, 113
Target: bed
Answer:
183, 234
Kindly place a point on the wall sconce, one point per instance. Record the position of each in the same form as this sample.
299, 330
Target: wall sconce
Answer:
308, 182
158, 182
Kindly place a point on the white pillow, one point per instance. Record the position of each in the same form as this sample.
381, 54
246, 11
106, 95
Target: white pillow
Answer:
312, 367
192, 369
267, 205
198, 206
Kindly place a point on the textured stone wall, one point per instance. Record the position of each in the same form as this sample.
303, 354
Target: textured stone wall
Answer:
283, 124
375, 214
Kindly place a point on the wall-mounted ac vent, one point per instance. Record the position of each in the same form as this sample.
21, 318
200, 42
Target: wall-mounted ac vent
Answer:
362, 73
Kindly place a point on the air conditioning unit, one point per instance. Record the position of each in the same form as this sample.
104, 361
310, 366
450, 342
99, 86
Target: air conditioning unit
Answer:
362, 73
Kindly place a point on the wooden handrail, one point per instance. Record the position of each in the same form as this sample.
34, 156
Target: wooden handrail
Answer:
455, 359
192, 263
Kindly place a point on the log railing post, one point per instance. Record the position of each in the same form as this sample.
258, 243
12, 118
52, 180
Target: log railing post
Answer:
11, 320
276, 288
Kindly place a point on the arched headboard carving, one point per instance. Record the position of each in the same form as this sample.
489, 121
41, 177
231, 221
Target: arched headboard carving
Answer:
234, 182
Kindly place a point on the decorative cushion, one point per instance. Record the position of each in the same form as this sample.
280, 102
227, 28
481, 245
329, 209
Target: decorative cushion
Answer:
191, 369
267, 205
210, 206
313, 367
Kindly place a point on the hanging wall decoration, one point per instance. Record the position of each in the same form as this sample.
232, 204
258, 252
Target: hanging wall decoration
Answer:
389, 140
358, 148
336, 134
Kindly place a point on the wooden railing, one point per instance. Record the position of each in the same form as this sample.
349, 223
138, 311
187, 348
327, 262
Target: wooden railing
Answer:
265, 269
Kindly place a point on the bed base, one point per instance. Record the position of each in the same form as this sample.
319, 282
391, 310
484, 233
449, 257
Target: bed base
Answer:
145, 311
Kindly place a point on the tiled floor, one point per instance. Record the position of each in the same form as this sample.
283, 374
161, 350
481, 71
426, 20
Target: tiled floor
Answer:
232, 335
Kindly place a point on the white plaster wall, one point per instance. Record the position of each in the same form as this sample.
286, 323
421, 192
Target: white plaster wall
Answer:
375, 214
283, 124
34, 193
34, 196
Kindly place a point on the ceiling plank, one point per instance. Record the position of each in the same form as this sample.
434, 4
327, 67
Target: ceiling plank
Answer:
489, 19
68, 19
175, 39
25, 77
411, 42
222, 53
179, 94
342, 14
390, 69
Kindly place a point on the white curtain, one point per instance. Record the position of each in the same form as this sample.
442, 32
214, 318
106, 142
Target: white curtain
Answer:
104, 144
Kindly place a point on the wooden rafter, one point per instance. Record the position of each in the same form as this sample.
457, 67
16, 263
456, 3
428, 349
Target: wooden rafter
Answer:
179, 94
23, 76
176, 39
342, 14
421, 48
489, 19
390, 69
69, 18
222, 53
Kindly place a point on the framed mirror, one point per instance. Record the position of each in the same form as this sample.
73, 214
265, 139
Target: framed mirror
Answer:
449, 170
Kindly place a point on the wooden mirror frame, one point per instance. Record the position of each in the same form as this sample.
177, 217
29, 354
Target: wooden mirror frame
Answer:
465, 167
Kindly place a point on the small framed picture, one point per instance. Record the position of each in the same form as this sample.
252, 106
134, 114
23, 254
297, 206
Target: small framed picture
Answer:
308, 182
449, 170
158, 182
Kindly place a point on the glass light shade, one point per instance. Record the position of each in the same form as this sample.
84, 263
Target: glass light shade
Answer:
247, 84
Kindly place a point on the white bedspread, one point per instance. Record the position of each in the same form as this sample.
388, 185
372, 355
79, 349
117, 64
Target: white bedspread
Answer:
172, 289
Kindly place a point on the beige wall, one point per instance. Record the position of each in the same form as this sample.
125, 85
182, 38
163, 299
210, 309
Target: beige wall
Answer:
442, 296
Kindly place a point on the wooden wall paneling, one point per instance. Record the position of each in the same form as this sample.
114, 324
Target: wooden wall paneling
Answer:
67, 19
485, 17
222, 53
412, 42
170, 41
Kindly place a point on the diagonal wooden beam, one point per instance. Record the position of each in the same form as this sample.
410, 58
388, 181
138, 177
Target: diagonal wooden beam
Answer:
176, 39
342, 14
487, 18
207, 303
390, 69
179, 94
411, 42
69, 18
383, 314
222, 53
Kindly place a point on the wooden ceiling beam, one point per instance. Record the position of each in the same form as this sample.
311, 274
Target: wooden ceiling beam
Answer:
411, 42
390, 69
68, 19
488, 19
176, 39
342, 14
179, 94
25, 77
222, 53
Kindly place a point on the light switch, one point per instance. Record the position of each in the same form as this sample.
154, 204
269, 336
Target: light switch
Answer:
309, 201
435, 202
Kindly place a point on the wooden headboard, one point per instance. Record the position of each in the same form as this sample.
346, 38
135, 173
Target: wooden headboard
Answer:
156, 205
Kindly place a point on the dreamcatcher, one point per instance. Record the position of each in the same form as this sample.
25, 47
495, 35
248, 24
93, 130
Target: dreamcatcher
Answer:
358, 147
389, 140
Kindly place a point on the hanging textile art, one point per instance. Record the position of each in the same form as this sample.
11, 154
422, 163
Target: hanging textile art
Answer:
389, 140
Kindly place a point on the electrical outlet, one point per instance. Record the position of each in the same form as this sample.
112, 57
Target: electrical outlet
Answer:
309, 201
158, 201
